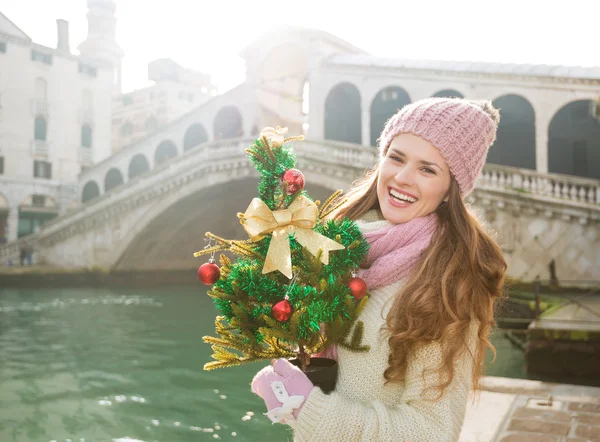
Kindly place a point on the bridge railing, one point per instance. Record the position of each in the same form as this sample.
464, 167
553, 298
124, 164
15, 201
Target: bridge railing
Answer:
555, 186
347, 154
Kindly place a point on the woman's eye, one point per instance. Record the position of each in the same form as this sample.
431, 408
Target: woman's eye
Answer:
429, 170
395, 158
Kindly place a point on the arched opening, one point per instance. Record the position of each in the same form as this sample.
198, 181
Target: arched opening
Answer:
194, 136
574, 141
138, 166
164, 152
515, 140
86, 136
343, 114
113, 178
228, 123
41, 128
90, 191
156, 247
385, 104
448, 93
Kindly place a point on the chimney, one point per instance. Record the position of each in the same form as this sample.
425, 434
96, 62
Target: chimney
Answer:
62, 27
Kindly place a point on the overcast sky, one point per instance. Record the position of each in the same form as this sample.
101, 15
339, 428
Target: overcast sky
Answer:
208, 36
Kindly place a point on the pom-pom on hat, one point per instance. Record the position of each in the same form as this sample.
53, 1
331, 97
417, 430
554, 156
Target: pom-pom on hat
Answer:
462, 130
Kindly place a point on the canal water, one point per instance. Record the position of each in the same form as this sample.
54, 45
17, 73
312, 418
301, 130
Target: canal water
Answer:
126, 365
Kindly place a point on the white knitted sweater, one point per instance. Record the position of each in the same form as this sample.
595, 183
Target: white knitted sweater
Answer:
362, 408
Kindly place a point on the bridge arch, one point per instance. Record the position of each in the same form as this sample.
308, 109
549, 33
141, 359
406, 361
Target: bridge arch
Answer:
90, 191
138, 165
194, 136
385, 104
162, 236
343, 114
574, 141
228, 123
515, 140
112, 179
164, 152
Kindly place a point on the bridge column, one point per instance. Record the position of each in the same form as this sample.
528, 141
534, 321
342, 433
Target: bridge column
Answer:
366, 125
542, 124
13, 223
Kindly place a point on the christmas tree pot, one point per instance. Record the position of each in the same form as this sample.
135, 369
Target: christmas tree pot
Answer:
322, 372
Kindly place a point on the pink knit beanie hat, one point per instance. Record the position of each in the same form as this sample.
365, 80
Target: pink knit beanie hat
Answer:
462, 130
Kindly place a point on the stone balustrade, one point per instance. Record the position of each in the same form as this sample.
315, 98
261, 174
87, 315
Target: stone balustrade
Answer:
553, 186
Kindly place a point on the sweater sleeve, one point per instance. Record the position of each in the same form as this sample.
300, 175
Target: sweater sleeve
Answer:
415, 418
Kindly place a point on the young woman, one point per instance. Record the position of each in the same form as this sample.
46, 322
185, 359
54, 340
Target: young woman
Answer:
433, 274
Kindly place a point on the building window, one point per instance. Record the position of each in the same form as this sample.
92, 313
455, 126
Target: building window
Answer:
86, 136
3, 47
38, 200
41, 128
88, 70
42, 169
1, 165
126, 129
127, 100
39, 56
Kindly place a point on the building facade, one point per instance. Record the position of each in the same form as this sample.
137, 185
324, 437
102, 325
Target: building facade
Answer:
175, 91
54, 119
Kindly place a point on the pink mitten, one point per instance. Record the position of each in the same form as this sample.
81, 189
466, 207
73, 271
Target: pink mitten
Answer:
284, 389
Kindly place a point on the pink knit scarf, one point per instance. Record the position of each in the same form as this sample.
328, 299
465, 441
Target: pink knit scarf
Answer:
395, 249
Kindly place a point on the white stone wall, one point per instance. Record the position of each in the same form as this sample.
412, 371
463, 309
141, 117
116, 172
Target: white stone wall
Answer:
533, 234
63, 107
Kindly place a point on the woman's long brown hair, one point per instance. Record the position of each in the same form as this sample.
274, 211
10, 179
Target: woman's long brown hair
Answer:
454, 286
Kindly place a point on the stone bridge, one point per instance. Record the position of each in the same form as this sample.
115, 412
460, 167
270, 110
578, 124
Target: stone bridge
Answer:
147, 206
158, 219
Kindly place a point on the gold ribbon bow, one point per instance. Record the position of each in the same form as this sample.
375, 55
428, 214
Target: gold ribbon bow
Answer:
276, 135
299, 219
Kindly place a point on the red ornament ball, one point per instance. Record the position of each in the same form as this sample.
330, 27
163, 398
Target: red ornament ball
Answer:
209, 273
358, 287
294, 180
282, 310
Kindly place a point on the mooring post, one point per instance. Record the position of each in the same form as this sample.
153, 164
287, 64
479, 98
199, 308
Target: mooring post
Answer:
538, 308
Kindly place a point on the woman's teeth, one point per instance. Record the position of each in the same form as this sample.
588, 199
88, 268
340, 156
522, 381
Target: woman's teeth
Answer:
402, 197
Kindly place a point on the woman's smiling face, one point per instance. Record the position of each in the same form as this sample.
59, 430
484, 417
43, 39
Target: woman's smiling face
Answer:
413, 181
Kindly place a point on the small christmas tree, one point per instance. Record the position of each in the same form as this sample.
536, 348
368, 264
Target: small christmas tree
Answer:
292, 291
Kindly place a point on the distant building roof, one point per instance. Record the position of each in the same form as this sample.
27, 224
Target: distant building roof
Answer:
466, 66
8, 27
